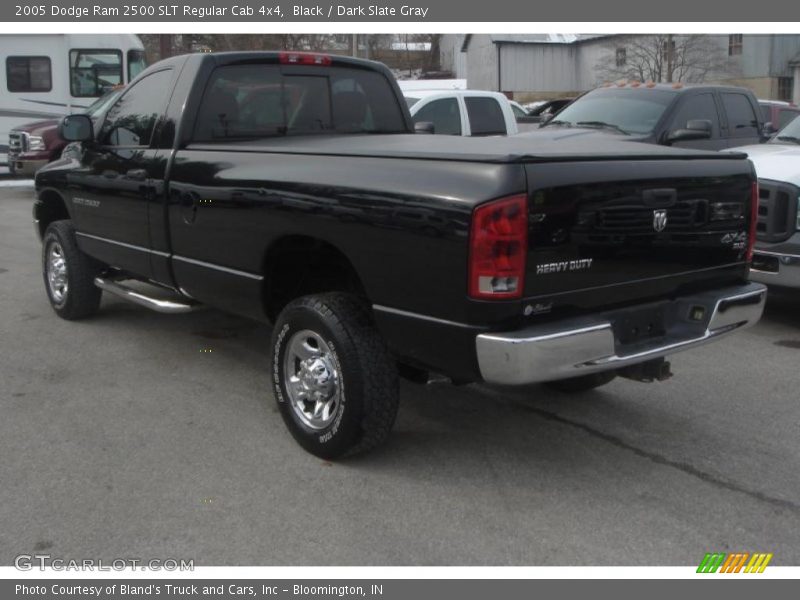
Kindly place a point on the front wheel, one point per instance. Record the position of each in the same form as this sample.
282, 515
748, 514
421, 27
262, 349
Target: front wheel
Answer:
69, 273
333, 378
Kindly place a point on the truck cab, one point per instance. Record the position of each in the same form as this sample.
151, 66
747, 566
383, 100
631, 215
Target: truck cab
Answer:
776, 259
703, 117
463, 112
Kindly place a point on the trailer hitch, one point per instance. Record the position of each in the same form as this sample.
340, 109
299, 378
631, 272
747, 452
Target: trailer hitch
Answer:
657, 369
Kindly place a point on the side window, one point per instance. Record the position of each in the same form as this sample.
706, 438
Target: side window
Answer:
742, 120
785, 117
701, 106
444, 115
485, 116
93, 72
130, 122
28, 74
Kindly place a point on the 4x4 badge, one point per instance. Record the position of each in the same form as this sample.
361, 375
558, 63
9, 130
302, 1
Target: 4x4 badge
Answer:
659, 219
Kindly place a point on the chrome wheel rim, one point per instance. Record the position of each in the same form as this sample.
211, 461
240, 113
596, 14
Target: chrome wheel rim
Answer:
312, 379
57, 273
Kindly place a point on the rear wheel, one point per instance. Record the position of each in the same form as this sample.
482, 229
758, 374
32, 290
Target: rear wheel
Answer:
584, 383
333, 378
68, 273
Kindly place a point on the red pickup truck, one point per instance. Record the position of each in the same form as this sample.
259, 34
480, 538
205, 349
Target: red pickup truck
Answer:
33, 145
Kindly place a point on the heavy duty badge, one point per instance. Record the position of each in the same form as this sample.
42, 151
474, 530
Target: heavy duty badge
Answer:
564, 266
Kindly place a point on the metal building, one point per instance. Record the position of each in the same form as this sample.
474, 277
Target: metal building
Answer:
536, 66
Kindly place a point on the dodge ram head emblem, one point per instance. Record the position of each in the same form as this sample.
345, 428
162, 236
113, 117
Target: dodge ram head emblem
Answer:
659, 219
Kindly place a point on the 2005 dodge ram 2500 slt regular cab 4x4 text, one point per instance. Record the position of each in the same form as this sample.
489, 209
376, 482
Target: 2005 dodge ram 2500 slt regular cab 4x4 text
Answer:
291, 188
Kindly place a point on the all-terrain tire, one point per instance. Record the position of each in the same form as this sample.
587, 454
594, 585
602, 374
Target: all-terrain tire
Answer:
72, 292
367, 379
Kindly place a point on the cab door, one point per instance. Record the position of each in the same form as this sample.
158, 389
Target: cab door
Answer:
744, 128
112, 189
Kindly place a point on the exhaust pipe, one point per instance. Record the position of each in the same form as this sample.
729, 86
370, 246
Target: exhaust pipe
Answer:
657, 369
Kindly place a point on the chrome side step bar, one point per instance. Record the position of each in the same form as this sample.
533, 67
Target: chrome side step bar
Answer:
157, 304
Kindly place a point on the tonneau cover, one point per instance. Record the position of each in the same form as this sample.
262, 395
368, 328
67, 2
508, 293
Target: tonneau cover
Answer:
515, 149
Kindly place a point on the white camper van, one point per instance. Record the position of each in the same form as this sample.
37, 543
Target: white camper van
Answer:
48, 76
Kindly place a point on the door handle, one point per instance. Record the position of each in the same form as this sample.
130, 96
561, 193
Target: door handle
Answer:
137, 174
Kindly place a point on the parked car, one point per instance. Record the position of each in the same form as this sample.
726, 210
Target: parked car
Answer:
462, 112
377, 252
707, 117
36, 144
777, 114
48, 76
776, 259
545, 110
518, 110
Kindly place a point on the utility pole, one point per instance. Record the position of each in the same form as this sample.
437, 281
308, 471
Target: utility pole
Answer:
165, 45
670, 58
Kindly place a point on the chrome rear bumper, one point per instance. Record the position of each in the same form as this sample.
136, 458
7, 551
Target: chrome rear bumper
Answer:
580, 346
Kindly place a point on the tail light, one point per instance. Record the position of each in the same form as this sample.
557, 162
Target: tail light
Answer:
498, 244
304, 58
751, 234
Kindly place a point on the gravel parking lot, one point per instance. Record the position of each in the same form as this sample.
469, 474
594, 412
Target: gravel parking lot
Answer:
123, 436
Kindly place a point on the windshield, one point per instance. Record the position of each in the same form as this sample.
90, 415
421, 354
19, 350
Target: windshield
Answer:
631, 110
518, 112
790, 133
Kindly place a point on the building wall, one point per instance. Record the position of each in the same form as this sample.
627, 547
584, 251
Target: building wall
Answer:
796, 92
589, 54
451, 58
481, 63
530, 67
541, 70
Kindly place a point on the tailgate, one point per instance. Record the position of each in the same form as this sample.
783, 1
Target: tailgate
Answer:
635, 229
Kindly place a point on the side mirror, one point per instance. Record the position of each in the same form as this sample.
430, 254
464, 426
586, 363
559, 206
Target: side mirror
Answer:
696, 129
76, 128
769, 130
424, 127
543, 119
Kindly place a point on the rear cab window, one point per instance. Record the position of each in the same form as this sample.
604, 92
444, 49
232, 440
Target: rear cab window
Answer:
485, 116
266, 100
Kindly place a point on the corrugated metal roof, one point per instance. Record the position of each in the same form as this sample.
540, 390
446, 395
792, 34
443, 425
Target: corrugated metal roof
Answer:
537, 38
543, 38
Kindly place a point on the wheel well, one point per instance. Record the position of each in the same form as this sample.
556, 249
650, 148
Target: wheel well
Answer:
50, 207
300, 265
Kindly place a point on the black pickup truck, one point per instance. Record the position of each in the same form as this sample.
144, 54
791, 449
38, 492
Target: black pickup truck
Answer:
291, 188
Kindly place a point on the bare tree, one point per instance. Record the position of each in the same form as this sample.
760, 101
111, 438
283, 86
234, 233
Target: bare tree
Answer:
663, 58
